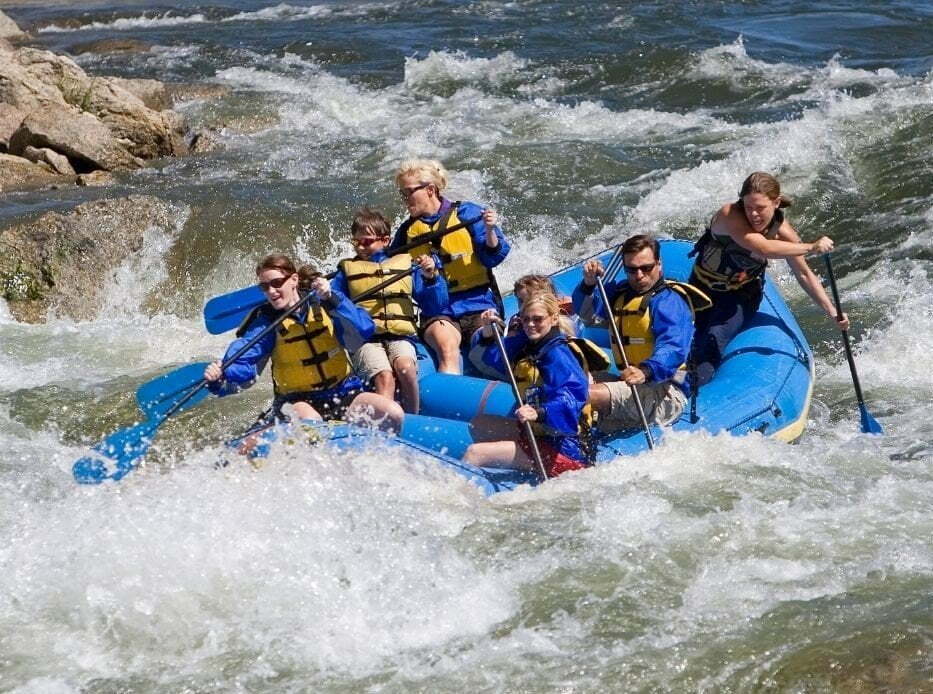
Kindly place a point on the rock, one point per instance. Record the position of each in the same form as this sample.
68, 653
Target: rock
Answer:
33, 80
95, 178
152, 93
179, 92
86, 141
6, 46
9, 28
10, 120
61, 262
58, 163
204, 141
17, 173
111, 46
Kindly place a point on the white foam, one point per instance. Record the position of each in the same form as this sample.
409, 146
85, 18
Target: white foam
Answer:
282, 11
127, 23
440, 67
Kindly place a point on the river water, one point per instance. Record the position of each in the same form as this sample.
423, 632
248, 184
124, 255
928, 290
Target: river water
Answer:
713, 564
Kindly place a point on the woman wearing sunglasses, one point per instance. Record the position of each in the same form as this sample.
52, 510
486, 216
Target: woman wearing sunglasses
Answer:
311, 368
388, 359
732, 255
551, 374
468, 255
655, 319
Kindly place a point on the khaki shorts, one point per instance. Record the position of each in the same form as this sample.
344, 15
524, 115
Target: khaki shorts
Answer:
663, 403
374, 357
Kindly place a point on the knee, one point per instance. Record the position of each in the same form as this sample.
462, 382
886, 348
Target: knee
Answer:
404, 366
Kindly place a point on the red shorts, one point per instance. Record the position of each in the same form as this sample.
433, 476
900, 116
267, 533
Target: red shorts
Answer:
555, 462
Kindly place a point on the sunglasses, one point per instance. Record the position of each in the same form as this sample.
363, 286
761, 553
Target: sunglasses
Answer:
633, 269
411, 190
533, 319
274, 284
368, 241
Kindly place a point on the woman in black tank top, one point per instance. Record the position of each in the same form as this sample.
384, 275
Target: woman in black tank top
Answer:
731, 258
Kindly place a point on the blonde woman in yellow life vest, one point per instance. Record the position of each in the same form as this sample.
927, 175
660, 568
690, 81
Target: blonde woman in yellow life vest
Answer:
655, 319
467, 256
388, 359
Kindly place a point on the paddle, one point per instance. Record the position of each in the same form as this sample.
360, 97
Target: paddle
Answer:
869, 424
169, 394
529, 432
618, 340
227, 311
117, 454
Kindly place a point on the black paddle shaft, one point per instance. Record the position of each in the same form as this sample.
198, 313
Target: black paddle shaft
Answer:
536, 452
618, 340
845, 333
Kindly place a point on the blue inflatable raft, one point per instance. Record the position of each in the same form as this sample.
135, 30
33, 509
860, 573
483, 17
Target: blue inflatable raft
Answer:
764, 385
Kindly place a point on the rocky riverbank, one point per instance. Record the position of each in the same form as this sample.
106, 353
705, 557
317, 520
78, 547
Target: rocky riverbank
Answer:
60, 125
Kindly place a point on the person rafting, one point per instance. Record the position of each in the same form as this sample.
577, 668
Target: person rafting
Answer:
526, 285
388, 356
655, 321
549, 370
731, 257
468, 256
311, 369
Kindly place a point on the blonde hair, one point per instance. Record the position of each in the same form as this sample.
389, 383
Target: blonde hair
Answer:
425, 170
552, 307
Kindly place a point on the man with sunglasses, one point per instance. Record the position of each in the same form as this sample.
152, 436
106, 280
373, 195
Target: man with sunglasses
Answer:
655, 320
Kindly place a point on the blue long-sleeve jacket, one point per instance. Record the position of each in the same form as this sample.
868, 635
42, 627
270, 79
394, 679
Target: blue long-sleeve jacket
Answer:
561, 397
430, 295
477, 298
352, 327
671, 326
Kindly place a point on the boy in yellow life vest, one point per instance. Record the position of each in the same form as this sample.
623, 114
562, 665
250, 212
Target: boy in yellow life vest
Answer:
388, 358
655, 319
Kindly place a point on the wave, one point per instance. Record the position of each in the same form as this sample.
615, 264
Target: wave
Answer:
280, 12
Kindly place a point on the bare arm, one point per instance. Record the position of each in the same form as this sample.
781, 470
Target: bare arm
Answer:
813, 286
731, 220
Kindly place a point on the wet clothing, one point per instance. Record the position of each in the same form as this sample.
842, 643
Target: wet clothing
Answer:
469, 287
553, 460
734, 279
670, 325
561, 396
322, 333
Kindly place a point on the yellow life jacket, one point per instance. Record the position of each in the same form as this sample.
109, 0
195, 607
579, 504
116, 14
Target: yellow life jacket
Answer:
588, 355
307, 355
392, 310
461, 265
632, 316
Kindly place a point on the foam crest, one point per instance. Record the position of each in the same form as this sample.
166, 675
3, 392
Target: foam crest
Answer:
731, 63
441, 67
282, 11
319, 561
129, 23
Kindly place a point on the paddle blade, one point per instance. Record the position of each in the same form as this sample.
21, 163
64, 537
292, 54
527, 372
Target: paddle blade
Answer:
159, 395
116, 455
227, 311
869, 424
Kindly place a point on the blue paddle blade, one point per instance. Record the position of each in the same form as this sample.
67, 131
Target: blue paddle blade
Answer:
227, 311
116, 455
869, 424
159, 395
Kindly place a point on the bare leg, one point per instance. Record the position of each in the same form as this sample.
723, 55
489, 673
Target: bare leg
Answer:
444, 339
369, 409
384, 383
506, 454
490, 427
304, 410
599, 398
407, 372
